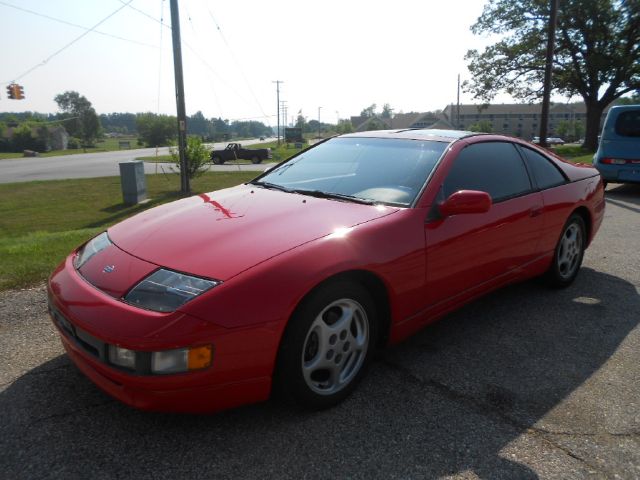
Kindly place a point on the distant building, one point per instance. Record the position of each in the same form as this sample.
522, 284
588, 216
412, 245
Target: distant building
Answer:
516, 119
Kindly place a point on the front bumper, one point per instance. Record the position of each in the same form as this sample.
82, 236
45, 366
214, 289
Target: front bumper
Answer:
89, 320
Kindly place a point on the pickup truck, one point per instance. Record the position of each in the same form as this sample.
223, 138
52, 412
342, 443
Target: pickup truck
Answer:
234, 151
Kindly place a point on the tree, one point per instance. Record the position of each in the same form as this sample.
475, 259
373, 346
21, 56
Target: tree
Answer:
301, 122
156, 130
197, 157
375, 124
118, 122
570, 130
632, 100
387, 111
82, 120
197, 124
483, 126
369, 112
344, 126
596, 54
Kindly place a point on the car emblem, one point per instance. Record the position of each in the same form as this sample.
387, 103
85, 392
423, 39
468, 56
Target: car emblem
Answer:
109, 268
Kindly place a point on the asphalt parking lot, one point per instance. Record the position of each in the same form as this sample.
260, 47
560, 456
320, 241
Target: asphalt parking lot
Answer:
525, 383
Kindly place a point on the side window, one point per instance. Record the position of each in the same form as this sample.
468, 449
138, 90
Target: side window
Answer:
546, 174
492, 167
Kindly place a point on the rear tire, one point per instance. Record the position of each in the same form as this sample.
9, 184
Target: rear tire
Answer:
256, 159
327, 346
568, 254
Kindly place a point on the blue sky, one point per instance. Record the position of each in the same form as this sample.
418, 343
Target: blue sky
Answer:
338, 55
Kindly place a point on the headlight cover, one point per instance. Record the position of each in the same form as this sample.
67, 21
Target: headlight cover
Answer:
166, 291
93, 246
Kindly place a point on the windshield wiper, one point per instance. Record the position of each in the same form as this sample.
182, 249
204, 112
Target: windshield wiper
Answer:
337, 196
273, 186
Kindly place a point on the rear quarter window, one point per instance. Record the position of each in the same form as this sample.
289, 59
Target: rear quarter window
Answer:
628, 124
545, 173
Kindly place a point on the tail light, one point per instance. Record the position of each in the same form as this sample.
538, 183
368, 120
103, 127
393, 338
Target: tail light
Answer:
614, 161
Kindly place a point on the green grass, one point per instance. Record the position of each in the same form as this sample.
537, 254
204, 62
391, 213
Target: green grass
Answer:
279, 154
581, 159
106, 145
41, 222
571, 151
158, 159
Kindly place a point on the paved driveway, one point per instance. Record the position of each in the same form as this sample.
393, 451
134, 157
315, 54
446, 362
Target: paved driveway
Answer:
524, 383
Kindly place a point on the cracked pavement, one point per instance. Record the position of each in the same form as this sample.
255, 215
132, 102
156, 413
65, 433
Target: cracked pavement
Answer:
525, 383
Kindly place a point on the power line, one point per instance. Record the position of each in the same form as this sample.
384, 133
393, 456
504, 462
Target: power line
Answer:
247, 118
202, 60
246, 81
60, 50
127, 4
186, 44
65, 22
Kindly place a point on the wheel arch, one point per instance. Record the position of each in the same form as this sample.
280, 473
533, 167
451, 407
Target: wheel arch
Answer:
586, 217
373, 284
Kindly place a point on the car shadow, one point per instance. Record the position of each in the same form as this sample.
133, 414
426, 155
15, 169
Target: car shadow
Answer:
452, 399
623, 195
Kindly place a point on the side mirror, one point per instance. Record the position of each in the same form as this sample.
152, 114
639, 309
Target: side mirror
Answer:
466, 201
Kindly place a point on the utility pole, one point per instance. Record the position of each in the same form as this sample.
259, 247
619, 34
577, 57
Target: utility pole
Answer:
182, 116
319, 108
283, 109
544, 116
278, 82
458, 106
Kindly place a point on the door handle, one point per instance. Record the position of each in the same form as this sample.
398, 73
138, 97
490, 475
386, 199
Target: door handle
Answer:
535, 211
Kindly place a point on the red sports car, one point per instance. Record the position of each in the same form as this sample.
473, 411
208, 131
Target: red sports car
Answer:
290, 282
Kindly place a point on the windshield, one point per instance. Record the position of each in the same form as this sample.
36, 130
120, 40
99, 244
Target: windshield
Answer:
378, 170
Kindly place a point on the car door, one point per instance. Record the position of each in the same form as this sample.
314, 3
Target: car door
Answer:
470, 253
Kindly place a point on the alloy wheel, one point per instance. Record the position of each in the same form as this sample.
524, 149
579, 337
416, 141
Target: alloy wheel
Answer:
335, 346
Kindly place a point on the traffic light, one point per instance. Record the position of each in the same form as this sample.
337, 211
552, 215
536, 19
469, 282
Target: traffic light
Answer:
15, 91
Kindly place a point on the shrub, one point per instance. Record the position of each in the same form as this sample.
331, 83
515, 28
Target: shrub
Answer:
197, 157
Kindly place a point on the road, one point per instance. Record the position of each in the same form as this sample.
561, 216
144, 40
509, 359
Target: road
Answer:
86, 165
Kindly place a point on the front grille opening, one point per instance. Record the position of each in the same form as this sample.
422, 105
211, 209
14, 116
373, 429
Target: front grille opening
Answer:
88, 348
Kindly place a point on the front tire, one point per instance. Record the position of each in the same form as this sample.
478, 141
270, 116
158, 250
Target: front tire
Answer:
217, 160
568, 254
327, 345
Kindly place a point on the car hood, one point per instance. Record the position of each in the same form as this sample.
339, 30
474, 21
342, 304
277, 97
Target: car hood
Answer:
223, 233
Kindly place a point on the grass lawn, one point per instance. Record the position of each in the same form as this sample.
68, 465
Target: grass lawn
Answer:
41, 222
588, 158
106, 145
279, 154
571, 151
